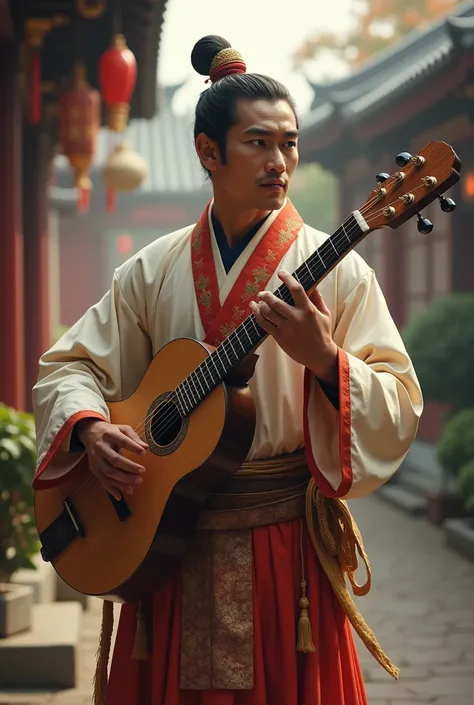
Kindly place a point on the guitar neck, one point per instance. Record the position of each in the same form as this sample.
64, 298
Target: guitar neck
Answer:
248, 336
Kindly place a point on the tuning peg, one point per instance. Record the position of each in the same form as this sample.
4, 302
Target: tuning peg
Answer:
403, 158
425, 226
447, 204
380, 178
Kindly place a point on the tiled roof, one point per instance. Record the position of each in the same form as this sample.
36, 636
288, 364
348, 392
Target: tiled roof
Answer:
387, 76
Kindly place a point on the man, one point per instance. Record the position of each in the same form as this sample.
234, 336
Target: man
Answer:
259, 614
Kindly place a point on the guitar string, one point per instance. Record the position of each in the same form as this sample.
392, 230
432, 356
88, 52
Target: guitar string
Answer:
324, 248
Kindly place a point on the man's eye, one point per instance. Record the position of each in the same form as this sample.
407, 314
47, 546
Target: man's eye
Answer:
258, 143
290, 144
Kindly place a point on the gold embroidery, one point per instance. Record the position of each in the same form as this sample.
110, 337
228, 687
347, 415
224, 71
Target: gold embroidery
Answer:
217, 612
270, 256
251, 288
202, 282
228, 328
206, 299
197, 237
260, 274
285, 235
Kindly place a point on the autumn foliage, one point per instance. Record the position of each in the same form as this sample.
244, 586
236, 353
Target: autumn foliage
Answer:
377, 23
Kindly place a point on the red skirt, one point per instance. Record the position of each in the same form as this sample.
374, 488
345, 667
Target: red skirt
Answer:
328, 676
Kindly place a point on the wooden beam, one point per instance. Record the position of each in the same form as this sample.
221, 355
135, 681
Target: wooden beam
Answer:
6, 24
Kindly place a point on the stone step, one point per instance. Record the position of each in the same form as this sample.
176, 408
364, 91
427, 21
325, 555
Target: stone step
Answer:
46, 657
409, 501
42, 580
65, 593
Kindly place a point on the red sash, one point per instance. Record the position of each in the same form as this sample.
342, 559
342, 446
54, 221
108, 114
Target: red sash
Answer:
219, 321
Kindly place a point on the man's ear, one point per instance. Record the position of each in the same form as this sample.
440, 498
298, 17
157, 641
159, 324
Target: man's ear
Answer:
207, 151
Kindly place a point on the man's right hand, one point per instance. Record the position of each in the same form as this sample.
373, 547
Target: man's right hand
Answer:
103, 442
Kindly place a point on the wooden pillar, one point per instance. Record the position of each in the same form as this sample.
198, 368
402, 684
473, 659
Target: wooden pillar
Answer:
394, 274
12, 384
462, 259
35, 233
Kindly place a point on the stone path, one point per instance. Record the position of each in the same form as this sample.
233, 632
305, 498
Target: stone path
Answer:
421, 608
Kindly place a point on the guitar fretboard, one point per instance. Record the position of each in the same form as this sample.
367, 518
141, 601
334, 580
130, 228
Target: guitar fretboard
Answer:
249, 335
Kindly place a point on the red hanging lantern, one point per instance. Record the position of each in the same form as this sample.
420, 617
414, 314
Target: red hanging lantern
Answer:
117, 77
79, 122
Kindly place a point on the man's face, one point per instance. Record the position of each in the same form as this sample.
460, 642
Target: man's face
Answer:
261, 155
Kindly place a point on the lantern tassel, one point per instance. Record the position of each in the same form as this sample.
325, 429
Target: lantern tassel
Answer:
84, 199
35, 89
110, 199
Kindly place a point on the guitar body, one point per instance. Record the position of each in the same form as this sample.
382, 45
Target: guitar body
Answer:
131, 548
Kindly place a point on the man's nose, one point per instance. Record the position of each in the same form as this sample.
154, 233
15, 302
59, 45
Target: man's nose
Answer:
276, 162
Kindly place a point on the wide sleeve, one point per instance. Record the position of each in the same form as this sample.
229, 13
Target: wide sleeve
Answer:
354, 450
101, 358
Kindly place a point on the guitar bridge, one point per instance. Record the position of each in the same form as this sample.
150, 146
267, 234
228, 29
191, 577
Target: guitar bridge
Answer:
65, 529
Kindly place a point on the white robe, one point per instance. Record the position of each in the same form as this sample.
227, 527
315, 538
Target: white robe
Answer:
151, 301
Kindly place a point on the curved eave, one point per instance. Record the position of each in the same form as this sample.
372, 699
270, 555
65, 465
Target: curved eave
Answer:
355, 105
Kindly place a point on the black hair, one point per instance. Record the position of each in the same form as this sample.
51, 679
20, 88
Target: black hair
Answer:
216, 107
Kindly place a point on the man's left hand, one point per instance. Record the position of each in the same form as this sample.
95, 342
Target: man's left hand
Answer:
303, 331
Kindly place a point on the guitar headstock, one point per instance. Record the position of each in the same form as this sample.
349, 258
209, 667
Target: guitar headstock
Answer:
421, 179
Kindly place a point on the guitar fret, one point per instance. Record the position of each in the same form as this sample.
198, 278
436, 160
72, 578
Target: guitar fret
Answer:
205, 364
199, 381
185, 395
238, 338
179, 402
195, 391
334, 247
345, 233
322, 261
247, 333
309, 270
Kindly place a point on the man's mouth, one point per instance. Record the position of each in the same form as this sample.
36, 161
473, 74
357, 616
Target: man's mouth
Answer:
273, 185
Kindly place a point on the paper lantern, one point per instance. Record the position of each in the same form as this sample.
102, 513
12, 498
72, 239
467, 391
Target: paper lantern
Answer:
117, 77
79, 122
124, 170
125, 244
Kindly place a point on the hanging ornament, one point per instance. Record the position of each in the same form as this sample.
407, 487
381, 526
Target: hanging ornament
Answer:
36, 29
117, 77
79, 122
91, 9
124, 170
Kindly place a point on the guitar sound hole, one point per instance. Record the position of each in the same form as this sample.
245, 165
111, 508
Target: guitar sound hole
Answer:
165, 428
166, 424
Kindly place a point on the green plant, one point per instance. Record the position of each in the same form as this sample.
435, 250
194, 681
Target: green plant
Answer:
440, 341
18, 536
466, 484
455, 447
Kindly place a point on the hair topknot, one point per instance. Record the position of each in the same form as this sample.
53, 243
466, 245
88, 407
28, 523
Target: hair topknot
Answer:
205, 50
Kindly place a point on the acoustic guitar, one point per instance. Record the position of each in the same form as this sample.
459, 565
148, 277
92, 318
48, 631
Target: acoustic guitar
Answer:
195, 410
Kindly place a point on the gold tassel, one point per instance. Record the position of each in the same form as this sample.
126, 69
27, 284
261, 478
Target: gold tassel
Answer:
140, 647
333, 517
305, 638
102, 659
